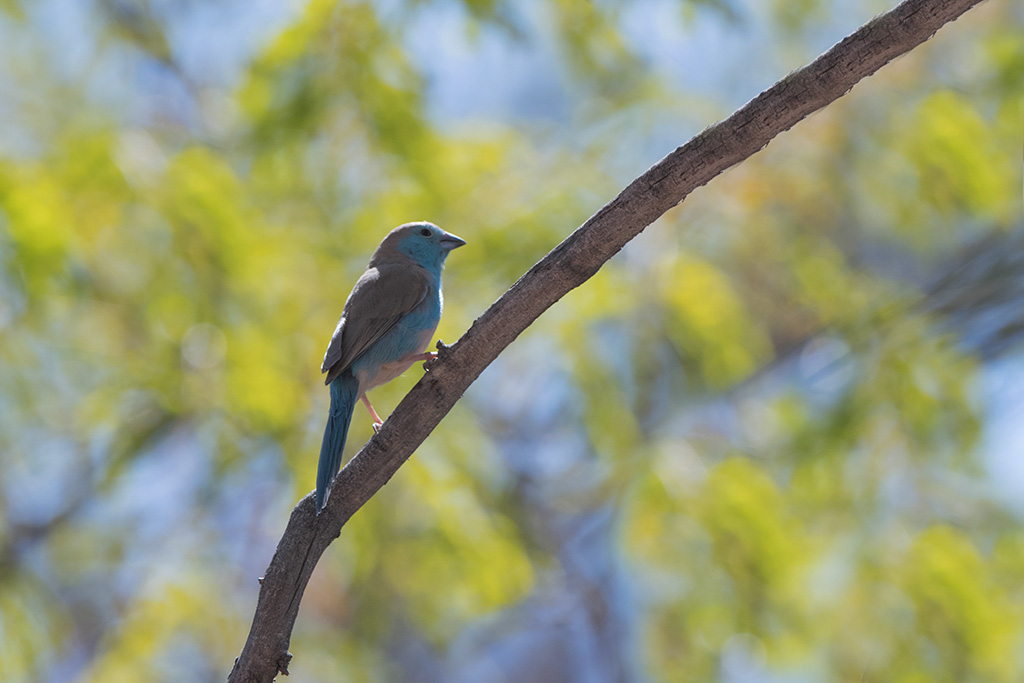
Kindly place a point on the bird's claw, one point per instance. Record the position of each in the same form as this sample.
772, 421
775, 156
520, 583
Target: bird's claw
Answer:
377, 426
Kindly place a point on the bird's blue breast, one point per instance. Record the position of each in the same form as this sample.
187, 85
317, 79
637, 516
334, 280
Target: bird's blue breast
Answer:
410, 336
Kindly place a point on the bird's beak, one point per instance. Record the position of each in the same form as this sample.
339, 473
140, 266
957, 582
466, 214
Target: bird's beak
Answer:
450, 241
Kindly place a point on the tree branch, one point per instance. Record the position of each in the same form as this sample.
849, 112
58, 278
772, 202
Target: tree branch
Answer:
567, 266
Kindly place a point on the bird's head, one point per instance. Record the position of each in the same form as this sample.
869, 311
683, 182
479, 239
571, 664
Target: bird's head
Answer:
423, 242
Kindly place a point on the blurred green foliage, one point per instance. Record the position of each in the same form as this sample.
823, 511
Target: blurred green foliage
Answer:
745, 448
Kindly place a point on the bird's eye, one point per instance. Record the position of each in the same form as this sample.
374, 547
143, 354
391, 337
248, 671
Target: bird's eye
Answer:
425, 232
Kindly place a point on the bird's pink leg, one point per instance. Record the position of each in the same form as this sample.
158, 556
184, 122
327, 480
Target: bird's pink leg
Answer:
417, 357
377, 422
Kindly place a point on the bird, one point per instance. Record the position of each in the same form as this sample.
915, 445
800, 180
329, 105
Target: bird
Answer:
386, 325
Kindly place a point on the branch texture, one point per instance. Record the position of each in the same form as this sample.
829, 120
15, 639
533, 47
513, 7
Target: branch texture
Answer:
567, 266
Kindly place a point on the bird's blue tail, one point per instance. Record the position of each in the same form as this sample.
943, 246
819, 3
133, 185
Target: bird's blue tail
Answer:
344, 393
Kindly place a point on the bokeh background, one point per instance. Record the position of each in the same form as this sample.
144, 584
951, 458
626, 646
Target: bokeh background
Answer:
779, 438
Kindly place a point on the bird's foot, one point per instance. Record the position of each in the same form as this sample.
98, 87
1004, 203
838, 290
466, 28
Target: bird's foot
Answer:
431, 357
377, 426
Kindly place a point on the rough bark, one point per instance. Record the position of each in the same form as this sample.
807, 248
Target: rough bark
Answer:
567, 266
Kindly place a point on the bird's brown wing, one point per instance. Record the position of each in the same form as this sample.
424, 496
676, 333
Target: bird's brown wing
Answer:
381, 297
